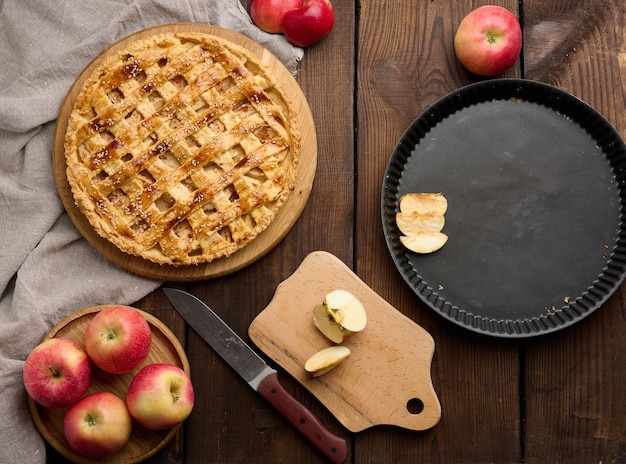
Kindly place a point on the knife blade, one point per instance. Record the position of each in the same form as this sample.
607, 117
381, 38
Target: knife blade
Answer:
255, 371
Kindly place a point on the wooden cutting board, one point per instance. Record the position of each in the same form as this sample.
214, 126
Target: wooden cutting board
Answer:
385, 381
268, 239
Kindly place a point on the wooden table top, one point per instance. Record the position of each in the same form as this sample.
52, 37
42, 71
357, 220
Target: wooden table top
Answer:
558, 398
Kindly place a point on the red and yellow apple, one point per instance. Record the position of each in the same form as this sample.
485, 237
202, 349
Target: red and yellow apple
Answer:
160, 396
98, 425
268, 15
56, 373
118, 339
311, 22
488, 40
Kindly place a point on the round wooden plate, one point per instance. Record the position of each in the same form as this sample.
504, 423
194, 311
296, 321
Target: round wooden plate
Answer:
143, 443
270, 237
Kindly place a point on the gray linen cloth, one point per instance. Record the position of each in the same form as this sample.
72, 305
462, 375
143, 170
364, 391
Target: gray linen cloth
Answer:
47, 270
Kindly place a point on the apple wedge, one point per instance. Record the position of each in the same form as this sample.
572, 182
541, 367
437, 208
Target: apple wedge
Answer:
340, 315
326, 324
421, 219
424, 242
423, 203
413, 222
325, 360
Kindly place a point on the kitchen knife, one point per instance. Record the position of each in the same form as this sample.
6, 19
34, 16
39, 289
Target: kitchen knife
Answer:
253, 369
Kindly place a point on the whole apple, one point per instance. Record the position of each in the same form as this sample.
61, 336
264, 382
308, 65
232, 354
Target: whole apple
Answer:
488, 40
57, 372
160, 396
98, 425
308, 24
118, 339
268, 14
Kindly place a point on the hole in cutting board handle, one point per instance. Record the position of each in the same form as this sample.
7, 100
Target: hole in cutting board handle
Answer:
415, 406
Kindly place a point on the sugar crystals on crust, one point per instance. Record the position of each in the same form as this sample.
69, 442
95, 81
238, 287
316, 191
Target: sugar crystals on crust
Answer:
181, 148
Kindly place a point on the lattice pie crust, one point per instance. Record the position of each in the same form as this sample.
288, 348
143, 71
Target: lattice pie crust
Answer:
181, 148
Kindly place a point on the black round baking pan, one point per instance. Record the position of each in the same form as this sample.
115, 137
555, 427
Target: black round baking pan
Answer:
534, 179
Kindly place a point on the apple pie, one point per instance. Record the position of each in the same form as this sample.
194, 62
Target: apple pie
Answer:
181, 148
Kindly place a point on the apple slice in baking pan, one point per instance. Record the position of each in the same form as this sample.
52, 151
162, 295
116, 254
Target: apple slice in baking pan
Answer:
412, 222
424, 242
423, 203
421, 219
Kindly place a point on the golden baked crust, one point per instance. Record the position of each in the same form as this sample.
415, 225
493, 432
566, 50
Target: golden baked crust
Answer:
181, 148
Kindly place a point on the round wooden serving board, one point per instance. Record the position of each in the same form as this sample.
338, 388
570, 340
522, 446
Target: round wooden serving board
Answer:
143, 443
270, 237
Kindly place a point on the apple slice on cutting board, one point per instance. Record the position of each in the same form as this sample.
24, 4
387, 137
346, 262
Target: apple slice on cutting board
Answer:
386, 379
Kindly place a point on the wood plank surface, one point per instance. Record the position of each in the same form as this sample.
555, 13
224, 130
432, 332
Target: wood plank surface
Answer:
575, 381
559, 398
237, 425
402, 68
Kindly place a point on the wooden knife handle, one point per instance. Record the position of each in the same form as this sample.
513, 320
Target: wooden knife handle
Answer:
332, 446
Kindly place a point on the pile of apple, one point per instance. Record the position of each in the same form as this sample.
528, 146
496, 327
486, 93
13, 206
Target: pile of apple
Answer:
58, 372
339, 316
303, 22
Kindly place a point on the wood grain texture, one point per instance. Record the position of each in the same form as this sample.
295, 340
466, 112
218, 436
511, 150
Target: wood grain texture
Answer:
358, 391
406, 62
575, 382
269, 238
241, 427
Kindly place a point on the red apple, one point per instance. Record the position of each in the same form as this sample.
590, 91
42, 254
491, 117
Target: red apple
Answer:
268, 14
308, 24
118, 339
98, 425
160, 396
57, 373
488, 40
